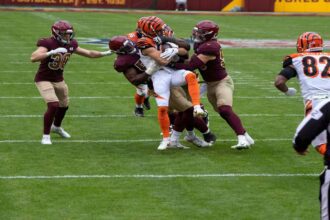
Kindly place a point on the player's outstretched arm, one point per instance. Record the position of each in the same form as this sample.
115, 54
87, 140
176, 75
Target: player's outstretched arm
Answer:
91, 53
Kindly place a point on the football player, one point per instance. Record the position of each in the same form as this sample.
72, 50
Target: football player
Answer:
311, 66
209, 60
128, 62
166, 77
141, 96
53, 53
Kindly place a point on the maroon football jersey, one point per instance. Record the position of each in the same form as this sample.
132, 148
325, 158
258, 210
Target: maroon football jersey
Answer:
213, 70
126, 61
51, 68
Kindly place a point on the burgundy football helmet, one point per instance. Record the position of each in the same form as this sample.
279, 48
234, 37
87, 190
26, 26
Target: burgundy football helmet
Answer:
122, 45
204, 31
62, 31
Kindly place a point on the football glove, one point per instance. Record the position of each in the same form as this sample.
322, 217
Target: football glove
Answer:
58, 50
198, 111
291, 92
106, 53
169, 53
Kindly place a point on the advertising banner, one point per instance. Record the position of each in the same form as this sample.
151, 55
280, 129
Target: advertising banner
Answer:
302, 6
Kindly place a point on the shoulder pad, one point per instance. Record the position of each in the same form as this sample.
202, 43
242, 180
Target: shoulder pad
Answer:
144, 43
133, 36
45, 42
123, 62
209, 48
74, 44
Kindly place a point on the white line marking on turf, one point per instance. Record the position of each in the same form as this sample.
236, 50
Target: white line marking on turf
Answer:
161, 176
130, 97
149, 115
130, 141
73, 83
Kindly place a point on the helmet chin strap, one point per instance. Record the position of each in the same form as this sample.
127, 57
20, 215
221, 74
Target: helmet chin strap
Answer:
315, 49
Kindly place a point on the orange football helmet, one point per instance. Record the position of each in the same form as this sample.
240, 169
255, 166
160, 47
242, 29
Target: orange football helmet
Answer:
309, 42
152, 26
139, 24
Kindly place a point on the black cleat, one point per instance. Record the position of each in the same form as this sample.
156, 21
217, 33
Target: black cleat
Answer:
210, 138
138, 112
146, 103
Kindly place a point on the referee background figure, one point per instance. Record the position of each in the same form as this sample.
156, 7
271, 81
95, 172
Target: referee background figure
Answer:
312, 125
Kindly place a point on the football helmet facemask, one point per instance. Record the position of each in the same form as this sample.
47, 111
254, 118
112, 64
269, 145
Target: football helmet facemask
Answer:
204, 31
309, 42
122, 45
62, 31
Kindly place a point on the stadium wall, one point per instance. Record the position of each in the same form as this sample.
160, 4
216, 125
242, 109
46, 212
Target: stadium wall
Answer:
193, 5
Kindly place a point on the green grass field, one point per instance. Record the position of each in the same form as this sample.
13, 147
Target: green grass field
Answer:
110, 168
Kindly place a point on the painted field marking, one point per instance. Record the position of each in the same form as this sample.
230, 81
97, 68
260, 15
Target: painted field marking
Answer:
149, 115
162, 176
131, 97
129, 141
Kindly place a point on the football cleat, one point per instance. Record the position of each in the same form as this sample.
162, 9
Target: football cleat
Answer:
146, 103
243, 143
177, 145
196, 141
46, 139
210, 138
249, 138
60, 131
164, 144
139, 112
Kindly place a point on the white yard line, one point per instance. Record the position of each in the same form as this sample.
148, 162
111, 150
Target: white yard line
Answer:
129, 141
149, 115
163, 176
131, 97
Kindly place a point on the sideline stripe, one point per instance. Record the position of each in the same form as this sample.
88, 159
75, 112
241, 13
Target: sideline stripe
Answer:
130, 141
160, 176
149, 115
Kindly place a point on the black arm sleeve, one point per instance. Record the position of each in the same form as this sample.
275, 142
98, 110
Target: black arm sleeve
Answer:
288, 72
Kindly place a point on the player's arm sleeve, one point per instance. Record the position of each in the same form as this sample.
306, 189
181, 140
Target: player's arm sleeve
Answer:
310, 127
134, 77
180, 42
288, 72
193, 64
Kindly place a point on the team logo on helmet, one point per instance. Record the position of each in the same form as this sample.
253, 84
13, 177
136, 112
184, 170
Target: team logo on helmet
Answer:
122, 45
63, 31
309, 42
205, 30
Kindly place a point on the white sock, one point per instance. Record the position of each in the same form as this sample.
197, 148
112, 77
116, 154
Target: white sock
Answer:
191, 133
175, 136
